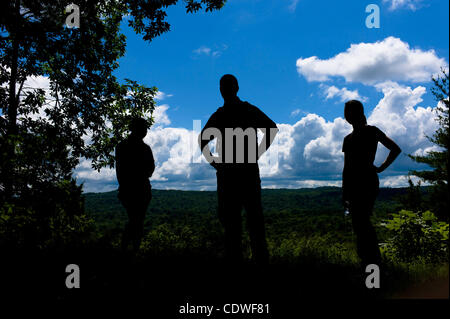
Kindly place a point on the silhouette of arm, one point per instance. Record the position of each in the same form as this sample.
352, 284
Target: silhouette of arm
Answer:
394, 151
203, 141
151, 167
269, 136
119, 172
345, 172
345, 199
269, 129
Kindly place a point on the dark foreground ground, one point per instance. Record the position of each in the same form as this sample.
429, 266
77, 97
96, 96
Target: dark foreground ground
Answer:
162, 285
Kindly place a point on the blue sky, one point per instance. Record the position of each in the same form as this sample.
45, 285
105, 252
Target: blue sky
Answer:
270, 46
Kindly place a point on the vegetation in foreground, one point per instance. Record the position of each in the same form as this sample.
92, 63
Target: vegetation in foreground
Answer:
311, 243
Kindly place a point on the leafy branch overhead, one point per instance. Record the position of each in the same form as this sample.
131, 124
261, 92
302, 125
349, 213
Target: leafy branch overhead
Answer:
148, 17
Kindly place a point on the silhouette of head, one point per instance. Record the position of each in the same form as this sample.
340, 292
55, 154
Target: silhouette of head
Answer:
138, 127
229, 87
354, 113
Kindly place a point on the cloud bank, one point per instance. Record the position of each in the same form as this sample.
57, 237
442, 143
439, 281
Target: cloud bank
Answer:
371, 63
307, 153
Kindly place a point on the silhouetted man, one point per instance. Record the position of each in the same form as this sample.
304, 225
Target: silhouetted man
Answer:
235, 126
360, 182
134, 167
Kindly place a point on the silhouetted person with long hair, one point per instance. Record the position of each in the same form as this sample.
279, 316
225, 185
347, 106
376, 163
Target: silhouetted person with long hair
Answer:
134, 167
235, 126
360, 181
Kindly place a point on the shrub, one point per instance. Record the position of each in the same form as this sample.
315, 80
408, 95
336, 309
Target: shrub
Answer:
52, 217
320, 249
170, 241
417, 236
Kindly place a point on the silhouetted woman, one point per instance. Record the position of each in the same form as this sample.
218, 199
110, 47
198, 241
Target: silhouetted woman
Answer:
134, 166
360, 182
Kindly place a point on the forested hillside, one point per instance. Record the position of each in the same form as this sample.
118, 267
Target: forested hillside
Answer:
306, 211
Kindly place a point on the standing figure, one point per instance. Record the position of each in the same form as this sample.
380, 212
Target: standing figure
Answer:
360, 181
134, 167
235, 126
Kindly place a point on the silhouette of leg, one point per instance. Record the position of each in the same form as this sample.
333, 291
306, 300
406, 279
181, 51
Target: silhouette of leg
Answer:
126, 237
366, 237
233, 235
138, 220
255, 224
136, 227
128, 231
136, 207
230, 218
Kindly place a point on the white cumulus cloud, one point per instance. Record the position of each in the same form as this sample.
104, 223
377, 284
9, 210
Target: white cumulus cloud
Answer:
343, 94
160, 115
388, 60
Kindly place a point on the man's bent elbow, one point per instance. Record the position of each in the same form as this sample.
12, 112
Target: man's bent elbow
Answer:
397, 150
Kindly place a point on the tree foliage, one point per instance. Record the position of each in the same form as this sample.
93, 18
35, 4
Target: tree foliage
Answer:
438, 160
